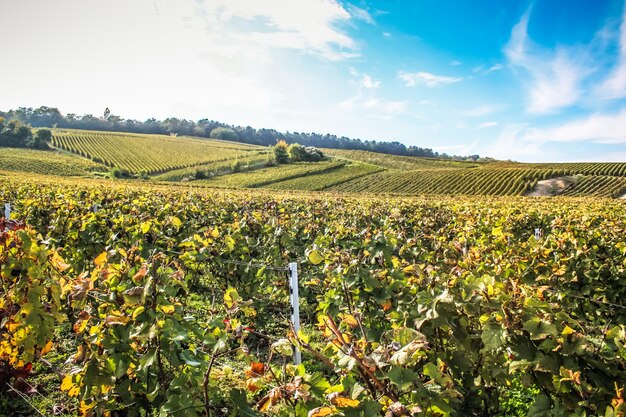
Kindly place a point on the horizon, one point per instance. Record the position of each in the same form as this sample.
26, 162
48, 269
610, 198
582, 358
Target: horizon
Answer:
541, 81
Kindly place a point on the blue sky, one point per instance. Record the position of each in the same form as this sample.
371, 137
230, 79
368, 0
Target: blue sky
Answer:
531, 81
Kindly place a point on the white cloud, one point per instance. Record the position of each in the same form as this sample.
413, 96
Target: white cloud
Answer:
509, 144
598, 128
488, 124
555, 75
494, 67
368, 82
427, 79
455, 63
484, 71
364, 80
387, 35
360, 14
308, 25
615, 84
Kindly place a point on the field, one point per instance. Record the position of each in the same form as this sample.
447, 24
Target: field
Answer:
151, 154
46, 162
224, 164
174, 300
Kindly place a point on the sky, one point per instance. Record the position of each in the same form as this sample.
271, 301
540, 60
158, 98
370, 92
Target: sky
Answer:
541, 80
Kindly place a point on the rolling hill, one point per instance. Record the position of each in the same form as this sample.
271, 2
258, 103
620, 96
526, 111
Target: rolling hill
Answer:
224, 164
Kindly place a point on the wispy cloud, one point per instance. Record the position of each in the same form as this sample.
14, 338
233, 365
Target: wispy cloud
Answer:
360, 14
364, 80
597, 128
308, 25
455, 63
426, 78
614, 86
484, 71
368, 82
555, 75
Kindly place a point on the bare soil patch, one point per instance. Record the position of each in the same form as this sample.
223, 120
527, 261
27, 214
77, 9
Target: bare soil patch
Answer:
553, 186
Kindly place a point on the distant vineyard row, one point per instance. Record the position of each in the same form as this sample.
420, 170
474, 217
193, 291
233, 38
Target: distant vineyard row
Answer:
147, 153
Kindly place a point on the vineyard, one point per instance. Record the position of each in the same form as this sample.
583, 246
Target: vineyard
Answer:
405, 163
151, 154
154, 300
271, 175
481, 181
46, 162
258, 160
325, 180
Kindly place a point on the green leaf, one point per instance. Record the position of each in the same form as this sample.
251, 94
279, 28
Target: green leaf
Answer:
493, 336
240, 402
189, 359
541, 407
540, 329
402, 377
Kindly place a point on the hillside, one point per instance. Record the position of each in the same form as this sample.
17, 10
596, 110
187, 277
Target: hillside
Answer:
225, 164
148, 153
47, 162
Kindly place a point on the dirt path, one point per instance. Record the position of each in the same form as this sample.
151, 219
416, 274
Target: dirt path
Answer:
552, 186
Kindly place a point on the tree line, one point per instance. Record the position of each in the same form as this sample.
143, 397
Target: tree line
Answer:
15, 134
52, 117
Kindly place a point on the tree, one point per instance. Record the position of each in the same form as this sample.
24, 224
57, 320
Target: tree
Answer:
224, 133
296, 152
280, 152
41, 139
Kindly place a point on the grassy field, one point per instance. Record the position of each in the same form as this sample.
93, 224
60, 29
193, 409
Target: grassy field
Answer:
46, 162
148, 153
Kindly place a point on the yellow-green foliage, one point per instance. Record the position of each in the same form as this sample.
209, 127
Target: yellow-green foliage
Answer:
46, 162
597, 186
150, 153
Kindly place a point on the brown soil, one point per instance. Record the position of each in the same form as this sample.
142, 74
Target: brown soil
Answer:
552, 186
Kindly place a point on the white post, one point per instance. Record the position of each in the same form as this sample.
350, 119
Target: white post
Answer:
295, 306
7, 211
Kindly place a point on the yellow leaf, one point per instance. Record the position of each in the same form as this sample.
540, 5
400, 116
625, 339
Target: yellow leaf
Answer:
266, 405
102, 258
350, 320
567, 331
344, 402
321, 411
67, 383
138, 311
47, 348
169, 309
215, 233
